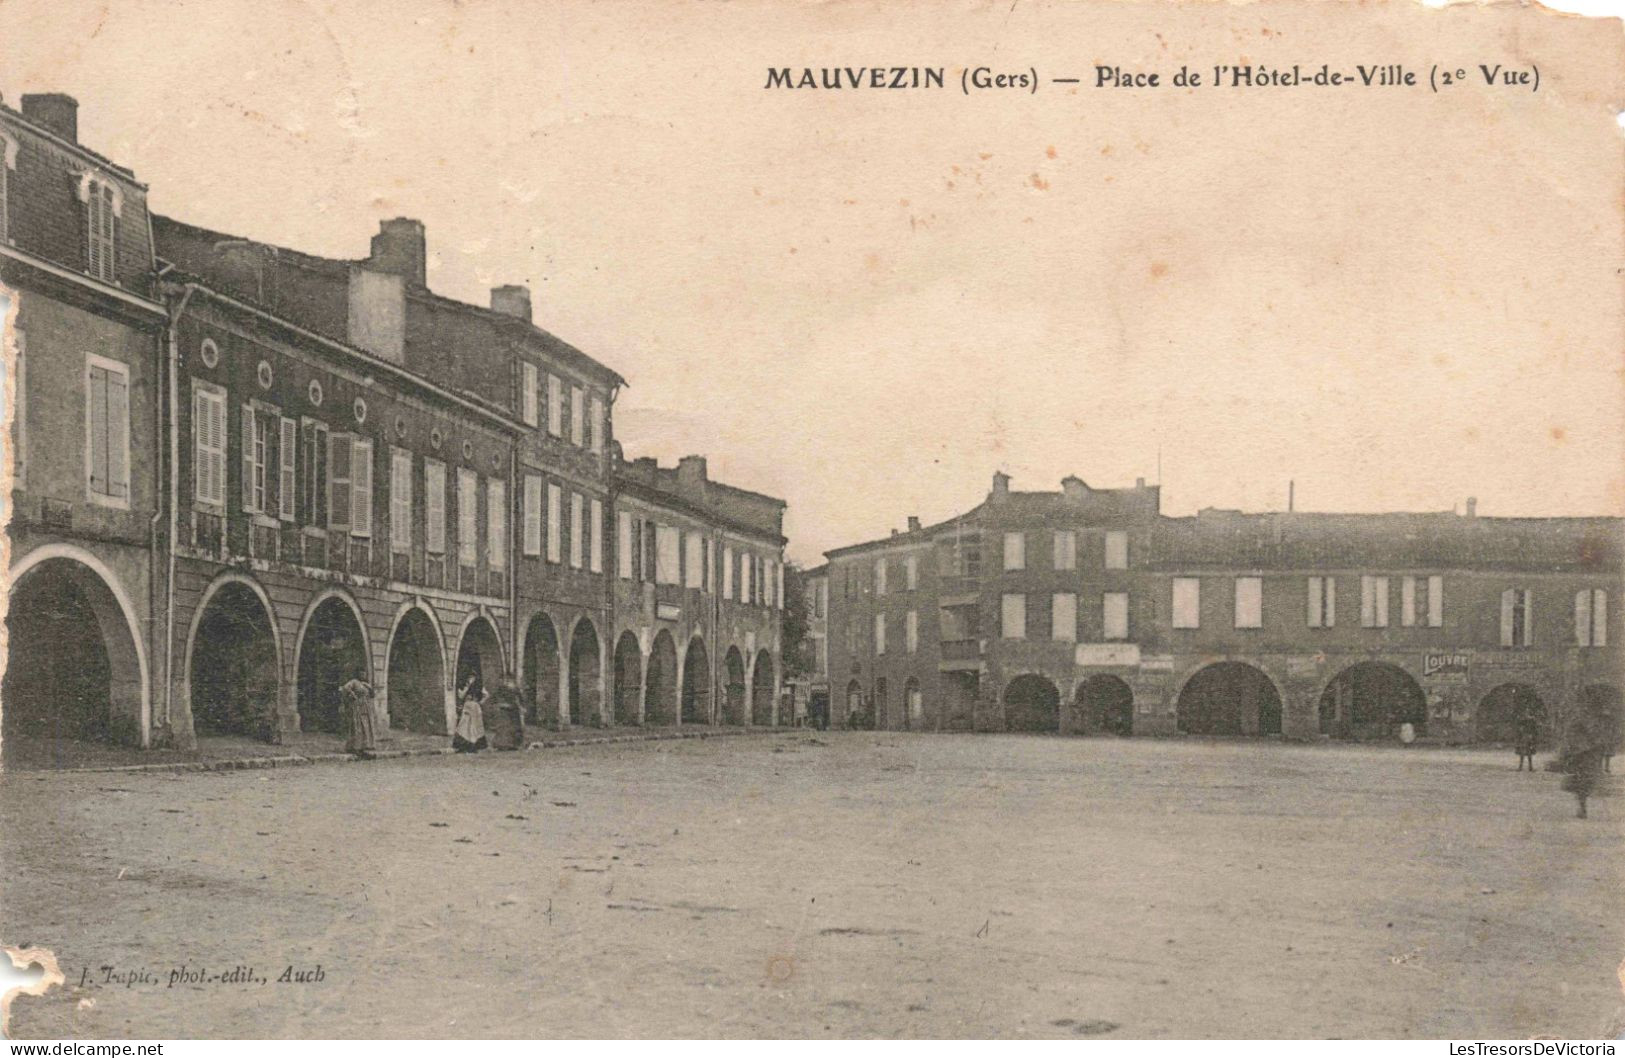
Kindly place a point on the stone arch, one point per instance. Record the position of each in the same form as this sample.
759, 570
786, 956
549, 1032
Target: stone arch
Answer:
1105, 703
27, 702
628, 679
696, 703
586, 674
1497, 715
733, 687
1369, 700
541, 668
233, 684
1032, 703
479, 653
416, 687
332, 648
763, 687
1229, 698
660, 681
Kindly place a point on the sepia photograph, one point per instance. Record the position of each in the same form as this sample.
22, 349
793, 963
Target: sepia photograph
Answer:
677, 520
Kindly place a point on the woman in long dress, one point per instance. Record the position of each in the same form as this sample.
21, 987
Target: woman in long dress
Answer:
1584, 745
469, 734
357, 697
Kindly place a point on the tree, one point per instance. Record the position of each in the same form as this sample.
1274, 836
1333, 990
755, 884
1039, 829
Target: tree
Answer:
797, 654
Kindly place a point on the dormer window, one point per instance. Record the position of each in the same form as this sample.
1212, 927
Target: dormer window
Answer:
103, 205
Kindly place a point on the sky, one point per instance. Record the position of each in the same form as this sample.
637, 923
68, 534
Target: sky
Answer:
868, 302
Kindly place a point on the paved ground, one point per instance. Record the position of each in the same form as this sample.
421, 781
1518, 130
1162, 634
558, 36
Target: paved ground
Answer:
843, 884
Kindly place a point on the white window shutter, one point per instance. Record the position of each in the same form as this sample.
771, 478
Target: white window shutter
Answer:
248, 458
533, 514
361, 488
434, 507
555, 527
118, 434
1599, 618
595, 542
1506, 618
496, 523
1582, 618
1436, 601
287, 468
1316, 596
96, 420
1528, 617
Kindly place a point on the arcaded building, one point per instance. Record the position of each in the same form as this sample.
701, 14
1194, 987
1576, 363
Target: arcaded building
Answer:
1087, 610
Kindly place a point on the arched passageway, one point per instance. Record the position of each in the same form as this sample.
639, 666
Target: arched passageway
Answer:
761, 690
733, 676
1105, 704
1370, 700
660, 686
628, 679
586, 676
234, 669
1501, 711
697, 683
417, 676
856, 716
1229, 698
1032, 703
332, 652
479, 656
73, 669
540, 671
913, 706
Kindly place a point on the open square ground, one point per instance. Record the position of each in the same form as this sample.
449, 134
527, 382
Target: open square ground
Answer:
836, 884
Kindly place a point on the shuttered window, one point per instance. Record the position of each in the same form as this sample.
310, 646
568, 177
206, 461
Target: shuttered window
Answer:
911, 631
668, 554
107, 423
361, 487
1015, 551
1374, 602
1591, 617
288, 469
1249, 602
1013, 611
578, 416
555, 523
256, 457
400, 500
1187, 602
209, 446
727, 573
530, 396
1117, 549
533, 515
1066, 549
496, 523
468, 517
434, 506
555, 406
623, 545
880, 633
1517, 618
595, 424
338, 485
595, 537
578, 534
1063, 616
314, 492
101, 215
1114, 615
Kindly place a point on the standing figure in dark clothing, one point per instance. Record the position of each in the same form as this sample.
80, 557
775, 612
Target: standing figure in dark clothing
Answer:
1528, 739
504, 716
363, 737
1584, 745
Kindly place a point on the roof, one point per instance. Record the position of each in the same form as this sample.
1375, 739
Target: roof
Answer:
71, 145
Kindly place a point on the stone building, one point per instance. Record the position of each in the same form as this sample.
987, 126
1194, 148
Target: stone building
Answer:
809, 693
86, 650
1087, 610
245, 474
699, 589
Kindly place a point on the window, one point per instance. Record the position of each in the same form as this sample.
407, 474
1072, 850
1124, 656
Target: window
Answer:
667, 554
1015, 550
1413, 600
727, 573
338, 482
533, 515
1117, 549
911, 631
578, 535
623, 544
361, 487
101, 223
400, 500
1013, 610
880, 633
1187, 603
1322, 602
595, 539
532, 382
496, 523
1114, 615
555, 523
1374, 602
1435, 605
1591, 617
578, 417
880, 576
288, 469
209, 445
434, 506
555, 406
1249, 602
256, 457
693, 560
1517, 618
779, 599
314, 492
1063, 616
911, 572
746, 562
107, 426
1066, 549
595, 424
468, 517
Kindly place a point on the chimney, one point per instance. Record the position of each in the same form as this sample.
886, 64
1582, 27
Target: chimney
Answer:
512, 300
691, 475
1291, 495
1073, 487
1139, 483
1001, 483
1472, 506
399, 248
55, 112
913, 523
